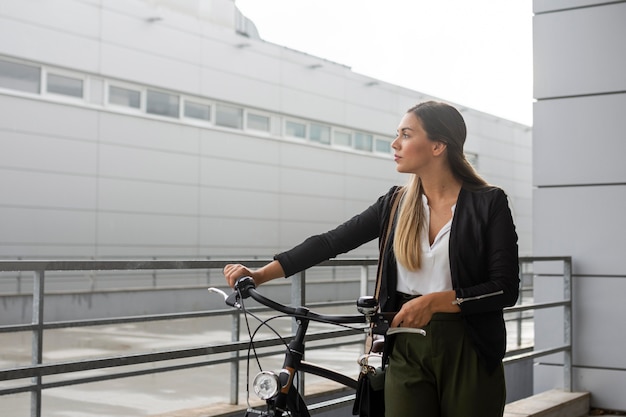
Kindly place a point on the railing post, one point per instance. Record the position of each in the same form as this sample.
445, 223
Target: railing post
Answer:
567, 324
364, 278
234, 365
298, 298
520, 301
37, 340
298, 294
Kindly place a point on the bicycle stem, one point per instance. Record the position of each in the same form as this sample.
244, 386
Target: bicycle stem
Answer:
293, 358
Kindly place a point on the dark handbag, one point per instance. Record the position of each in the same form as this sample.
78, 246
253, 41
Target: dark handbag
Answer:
370, 393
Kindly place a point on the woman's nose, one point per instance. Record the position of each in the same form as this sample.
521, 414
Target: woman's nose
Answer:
394, 144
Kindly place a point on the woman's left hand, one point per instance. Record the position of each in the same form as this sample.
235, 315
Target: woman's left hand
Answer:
419, 311
415, 313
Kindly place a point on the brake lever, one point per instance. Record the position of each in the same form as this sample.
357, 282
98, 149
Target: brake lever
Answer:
231, 300
382, 323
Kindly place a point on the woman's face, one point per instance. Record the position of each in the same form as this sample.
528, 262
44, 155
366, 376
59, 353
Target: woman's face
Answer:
413, 150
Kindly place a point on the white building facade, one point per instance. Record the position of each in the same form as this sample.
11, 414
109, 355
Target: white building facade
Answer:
580, 187
135, 129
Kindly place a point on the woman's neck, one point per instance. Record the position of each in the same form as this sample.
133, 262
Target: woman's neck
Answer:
442, 187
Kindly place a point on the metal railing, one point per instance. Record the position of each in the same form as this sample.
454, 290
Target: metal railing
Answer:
38, 370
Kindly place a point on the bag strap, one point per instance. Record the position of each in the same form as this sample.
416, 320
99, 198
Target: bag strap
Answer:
395, 199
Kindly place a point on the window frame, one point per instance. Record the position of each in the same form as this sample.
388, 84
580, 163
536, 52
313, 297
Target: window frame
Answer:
164, 92
248, 112
365, 137
45, 75
198, 101
378, 139
322, 125
231, 106
131, 87
341, 145
301, 122
25, 64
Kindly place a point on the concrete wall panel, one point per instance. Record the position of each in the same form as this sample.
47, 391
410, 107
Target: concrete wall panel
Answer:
235, 203
148, 164
580, 141
21, 226
45, 153
19, 114
576, 221
238, 175
124, 195
598, 300
42, 43
573, 57
144, 132
38, 189
147, 230
130, 64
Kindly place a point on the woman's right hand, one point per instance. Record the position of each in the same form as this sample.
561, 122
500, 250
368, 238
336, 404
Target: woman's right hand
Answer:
233, 272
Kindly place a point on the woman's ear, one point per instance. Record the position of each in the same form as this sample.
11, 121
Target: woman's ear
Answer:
439, 147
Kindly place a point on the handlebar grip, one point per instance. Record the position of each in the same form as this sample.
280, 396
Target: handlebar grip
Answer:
242, 290
244, 284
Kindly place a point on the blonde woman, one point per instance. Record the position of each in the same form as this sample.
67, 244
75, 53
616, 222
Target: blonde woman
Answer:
450, 267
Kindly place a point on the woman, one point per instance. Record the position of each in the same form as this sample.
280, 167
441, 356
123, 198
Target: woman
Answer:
450, 267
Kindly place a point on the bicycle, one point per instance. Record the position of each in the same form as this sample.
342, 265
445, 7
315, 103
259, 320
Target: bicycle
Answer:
278, 389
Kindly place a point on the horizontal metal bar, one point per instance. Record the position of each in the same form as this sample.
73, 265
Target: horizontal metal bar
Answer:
100, 363
153, 317
333, 404
118, 320
532, 259
536, 354
118, 375
537, 306
130, 265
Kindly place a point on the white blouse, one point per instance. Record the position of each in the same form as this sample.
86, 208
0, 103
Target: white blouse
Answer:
434, 274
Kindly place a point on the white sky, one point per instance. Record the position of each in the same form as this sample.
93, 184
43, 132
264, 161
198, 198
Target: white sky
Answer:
476, 53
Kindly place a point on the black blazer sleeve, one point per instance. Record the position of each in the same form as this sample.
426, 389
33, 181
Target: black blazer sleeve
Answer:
360, 229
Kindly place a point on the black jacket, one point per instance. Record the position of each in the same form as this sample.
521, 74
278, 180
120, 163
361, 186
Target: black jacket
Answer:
483, 260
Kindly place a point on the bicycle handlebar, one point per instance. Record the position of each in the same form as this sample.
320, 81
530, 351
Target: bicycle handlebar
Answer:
247, 288
380, 321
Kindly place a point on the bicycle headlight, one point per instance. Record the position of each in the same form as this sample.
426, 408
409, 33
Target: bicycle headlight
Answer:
266, 385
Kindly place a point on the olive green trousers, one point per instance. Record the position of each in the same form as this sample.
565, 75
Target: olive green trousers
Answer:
439, 375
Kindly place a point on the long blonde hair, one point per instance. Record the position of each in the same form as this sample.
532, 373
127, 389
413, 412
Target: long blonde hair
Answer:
442, 123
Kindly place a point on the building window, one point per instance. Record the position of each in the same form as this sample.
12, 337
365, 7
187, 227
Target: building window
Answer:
162, 104
295, 129
258, 122
198, 111
66, 86
228, 116
20, 77
320, 133
363, 142
382, 145
342, 138
124, 97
